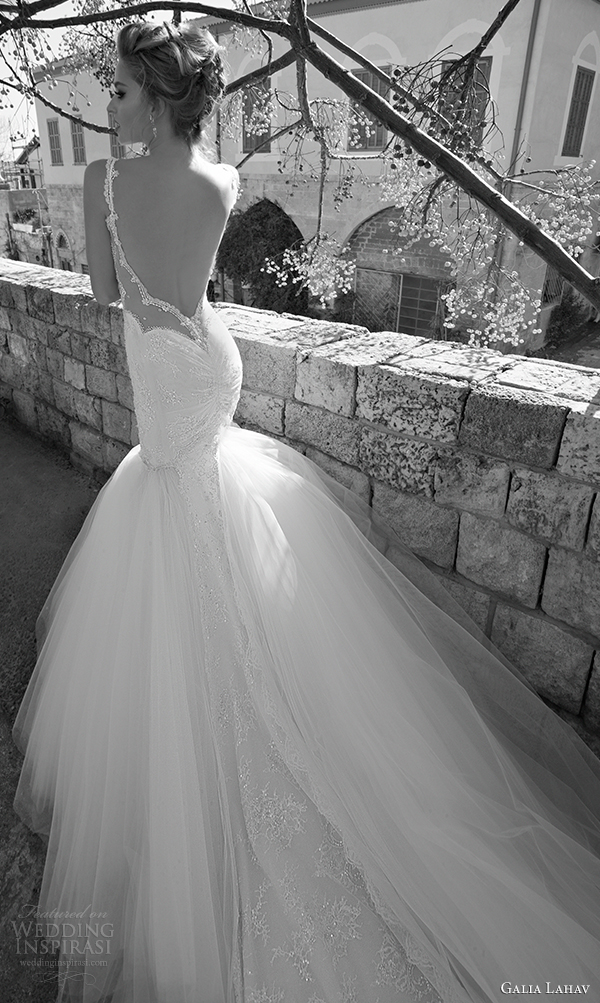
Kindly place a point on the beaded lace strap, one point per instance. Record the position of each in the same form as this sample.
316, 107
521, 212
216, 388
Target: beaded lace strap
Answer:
189, 323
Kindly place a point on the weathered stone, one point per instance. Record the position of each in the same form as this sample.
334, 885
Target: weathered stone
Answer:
87, 442
456, 362
4, 319
135, 435
114, 452
29, 327
106, 355
514, 424
331, 433
325, 382
349, 477
268, 366
60, 339
63, 397
6, 293
101, 383
3, 339
428, 530
476, 483
261, 411
125, 391
572, 590
579, 455
75, 373
546, 505
11, 370
429, 408
68, 305
53, 424
499, 558
55, 362
591, 707
88, 409
115, 312
19, 347
25, 409
95, 320
116, 421
475, 603
553, 378
40, 304
80, 347
405, 464
38, 355
46, 388
555, 662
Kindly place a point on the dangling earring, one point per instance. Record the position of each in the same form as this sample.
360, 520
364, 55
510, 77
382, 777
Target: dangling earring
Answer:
153, 124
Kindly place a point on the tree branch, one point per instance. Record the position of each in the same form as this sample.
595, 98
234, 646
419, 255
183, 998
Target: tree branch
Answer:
269, 139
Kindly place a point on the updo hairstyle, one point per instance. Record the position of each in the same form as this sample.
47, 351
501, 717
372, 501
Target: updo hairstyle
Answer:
178, 66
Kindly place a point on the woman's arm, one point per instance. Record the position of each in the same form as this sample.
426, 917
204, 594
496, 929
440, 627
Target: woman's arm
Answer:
97, 240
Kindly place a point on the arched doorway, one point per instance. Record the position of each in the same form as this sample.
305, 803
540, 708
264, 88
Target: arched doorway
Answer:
263, 230
396, 291
63, 250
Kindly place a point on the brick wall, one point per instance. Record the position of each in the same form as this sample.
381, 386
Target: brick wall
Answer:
487, 466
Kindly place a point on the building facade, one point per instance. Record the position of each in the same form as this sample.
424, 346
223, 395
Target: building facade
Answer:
542, 71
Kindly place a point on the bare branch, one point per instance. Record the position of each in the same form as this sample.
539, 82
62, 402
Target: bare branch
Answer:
269, 139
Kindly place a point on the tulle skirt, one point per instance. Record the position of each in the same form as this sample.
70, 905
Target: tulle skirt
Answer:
274, 765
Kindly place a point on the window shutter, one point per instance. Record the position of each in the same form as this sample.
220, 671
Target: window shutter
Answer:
580, 103
54, 139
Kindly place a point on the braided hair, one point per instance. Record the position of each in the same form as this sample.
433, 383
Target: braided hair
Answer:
182, 67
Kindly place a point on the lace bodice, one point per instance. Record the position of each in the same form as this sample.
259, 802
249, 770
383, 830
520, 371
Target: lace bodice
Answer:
186, 371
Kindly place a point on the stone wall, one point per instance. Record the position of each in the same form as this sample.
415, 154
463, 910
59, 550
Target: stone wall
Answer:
487, 466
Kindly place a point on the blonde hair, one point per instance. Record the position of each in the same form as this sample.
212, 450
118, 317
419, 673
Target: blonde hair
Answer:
181, 67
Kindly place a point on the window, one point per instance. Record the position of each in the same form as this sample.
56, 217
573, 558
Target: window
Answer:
78, 143
54, 138
553, 286
371, 136
580, 103
256, 115
472, 111
85, 270
391, 301
117, 150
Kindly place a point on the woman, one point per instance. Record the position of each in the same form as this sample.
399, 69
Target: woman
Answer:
270, 769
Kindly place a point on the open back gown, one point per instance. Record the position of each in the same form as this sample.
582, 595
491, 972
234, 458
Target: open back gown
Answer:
269, 767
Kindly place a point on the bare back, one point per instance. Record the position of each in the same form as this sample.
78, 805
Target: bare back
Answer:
171, 219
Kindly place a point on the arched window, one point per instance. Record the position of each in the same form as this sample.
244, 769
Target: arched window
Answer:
581, 93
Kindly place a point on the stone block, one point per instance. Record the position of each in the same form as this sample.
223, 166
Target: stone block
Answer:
40, 304
88, 409
4, 318
38, 356
19, 348
114, 452
6, 293
101, 383
60, 339
95, 320
261, 411
268, 366
500, 558
405, 464
455, 362
349, 477
55, 362
63, 397
116, 421
556, 379
53, 424
3, 339
331, 433
475, 603
87, 442
135, 435
11, 370
572, 590
555, 662
423, 526
80, 347
125, 391
546, 505
115, 311
513, 424
75, 373
579, 454
25, 409
427, 407
46, 388
324, 382
468, 481
591, 706
106, 355
68, 305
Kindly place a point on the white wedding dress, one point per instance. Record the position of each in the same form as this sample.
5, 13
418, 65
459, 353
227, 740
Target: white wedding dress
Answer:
270, 768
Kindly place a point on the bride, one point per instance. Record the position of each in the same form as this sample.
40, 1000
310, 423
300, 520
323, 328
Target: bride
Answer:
270, 769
